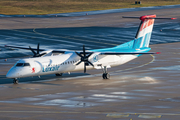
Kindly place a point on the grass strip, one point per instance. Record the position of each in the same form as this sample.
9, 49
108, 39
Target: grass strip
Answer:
41, 7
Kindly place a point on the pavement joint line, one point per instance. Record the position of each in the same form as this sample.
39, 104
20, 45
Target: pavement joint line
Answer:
153, 58
3, 86
41, 37
106, 113
70, 37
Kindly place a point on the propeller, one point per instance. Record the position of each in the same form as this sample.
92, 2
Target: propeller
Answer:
84, 58
36, 54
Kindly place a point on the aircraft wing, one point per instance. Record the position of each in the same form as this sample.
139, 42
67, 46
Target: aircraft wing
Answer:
88, 52
25, 48
127, 53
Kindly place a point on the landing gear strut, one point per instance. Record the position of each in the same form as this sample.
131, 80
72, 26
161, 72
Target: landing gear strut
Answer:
105, 75
15, 81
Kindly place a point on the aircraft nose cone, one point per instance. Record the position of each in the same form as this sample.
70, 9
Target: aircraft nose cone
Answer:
11, 73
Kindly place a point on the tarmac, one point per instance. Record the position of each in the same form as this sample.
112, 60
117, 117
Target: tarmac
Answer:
145, 88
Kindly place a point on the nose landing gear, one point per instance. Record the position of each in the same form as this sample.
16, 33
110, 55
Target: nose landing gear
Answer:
15, 81
59, 74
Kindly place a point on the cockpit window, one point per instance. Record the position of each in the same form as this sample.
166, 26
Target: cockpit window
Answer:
19, 64
26, 64
22, 64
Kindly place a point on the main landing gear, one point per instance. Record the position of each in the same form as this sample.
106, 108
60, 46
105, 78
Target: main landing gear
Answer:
105, 75
15, 81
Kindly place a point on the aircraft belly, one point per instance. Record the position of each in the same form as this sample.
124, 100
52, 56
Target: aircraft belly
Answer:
108, 60
81, 67
127, 58
66, 68
115, 60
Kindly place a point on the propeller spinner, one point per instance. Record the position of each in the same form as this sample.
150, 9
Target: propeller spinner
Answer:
84, 58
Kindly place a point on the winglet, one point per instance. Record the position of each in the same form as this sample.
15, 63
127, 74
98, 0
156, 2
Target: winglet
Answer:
148, 17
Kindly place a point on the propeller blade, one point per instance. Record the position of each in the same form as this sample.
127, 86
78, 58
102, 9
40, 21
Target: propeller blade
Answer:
78, 63
84, 58
90, 63
89, 55
38, 48
84, 53
41, 54
84, 67
79, 54
32, 51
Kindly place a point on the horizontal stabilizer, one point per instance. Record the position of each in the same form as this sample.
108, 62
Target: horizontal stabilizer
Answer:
147, 18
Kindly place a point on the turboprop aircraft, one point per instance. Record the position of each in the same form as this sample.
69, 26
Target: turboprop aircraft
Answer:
46, 62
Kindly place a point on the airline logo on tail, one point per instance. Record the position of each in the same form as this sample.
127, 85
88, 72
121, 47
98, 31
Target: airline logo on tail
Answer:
143, 35
147, 24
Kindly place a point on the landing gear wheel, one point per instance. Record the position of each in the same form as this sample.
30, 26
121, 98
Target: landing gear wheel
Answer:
60, 74
106, 76
15, 81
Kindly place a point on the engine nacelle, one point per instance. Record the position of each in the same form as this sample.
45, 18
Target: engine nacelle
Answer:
46, 53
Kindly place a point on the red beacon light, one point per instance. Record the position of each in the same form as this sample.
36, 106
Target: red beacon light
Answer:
158, 52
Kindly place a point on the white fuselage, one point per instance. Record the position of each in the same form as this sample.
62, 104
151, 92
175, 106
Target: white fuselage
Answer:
63, 63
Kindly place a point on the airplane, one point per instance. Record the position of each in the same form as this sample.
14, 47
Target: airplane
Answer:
57, 62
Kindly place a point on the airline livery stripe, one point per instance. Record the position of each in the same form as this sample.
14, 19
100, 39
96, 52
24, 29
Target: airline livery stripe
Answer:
146, 24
